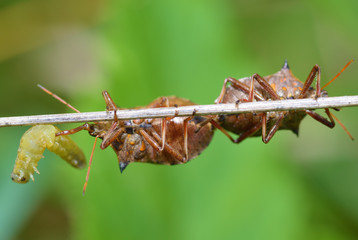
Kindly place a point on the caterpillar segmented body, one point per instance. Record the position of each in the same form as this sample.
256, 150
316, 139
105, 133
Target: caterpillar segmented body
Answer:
32, 145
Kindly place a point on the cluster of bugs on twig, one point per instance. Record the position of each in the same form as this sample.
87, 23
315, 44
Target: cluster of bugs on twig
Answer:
176, 140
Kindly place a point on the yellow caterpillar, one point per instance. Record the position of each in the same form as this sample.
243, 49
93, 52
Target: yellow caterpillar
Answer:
32, 145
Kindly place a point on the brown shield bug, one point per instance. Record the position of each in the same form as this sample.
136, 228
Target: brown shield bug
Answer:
278, 86
170, 141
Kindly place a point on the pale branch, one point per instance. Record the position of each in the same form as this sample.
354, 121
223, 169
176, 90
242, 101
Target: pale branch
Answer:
200, 110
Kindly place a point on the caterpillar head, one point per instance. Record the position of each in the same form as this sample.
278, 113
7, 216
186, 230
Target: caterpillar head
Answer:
19, 176
23, 171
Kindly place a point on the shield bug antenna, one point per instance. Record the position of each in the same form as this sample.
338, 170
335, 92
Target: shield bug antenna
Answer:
57, 97
340, 72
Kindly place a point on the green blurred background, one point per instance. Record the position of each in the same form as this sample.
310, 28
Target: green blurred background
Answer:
291, 188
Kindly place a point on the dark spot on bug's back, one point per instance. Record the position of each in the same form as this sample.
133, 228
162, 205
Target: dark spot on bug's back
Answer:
116, 145
129, 130
198, 119
221, 118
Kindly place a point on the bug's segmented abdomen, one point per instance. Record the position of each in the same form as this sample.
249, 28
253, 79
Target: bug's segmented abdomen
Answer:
32, 145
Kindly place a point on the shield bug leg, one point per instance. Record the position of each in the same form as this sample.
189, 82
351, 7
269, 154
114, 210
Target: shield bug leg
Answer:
115, 129
112, 135
239, 86
164, 103
261, 125
322, 119
185, 126
110, 105
265, 85
175, 154
316, 72
216, 125
150, 140
85, 126
249, 133
154, 143
273, 130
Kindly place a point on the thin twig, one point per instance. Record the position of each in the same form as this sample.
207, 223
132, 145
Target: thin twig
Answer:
232, 108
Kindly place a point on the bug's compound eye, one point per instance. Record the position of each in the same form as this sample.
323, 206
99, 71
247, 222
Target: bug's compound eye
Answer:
221, 118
